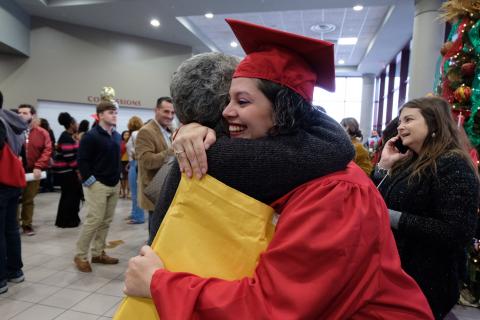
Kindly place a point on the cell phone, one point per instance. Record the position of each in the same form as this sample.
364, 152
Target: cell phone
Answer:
399, 145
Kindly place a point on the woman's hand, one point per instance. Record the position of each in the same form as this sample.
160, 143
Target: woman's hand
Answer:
190, 144
390, 154
140, 272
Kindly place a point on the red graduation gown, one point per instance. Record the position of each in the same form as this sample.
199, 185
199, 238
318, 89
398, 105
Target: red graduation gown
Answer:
333, 256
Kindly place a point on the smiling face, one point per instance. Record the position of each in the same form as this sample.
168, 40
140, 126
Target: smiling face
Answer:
249, 113
412, 128
164, 114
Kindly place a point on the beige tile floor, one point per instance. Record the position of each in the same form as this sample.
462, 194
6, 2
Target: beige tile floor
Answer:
54, 289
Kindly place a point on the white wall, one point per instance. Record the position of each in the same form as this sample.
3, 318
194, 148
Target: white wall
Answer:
80, 111
71, 63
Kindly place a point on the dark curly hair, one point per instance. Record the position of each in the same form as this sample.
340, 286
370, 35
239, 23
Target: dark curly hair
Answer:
290, 110
65, 119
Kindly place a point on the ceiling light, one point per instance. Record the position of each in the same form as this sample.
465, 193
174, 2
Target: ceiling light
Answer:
341, 61
347, 41
233, 44
322, 28
209, 15
155, 23
358, 7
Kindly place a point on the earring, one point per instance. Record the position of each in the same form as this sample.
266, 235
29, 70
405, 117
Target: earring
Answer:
433, 134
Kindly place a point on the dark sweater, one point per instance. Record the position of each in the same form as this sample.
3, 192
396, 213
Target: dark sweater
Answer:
3, 135
438, 219
99, 156
269, 168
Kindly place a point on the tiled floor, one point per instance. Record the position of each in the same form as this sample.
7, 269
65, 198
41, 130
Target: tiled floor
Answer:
54, 289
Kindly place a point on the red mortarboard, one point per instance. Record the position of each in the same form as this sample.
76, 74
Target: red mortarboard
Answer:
292, 60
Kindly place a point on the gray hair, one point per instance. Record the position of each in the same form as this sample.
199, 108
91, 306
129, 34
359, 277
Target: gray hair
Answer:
200, 87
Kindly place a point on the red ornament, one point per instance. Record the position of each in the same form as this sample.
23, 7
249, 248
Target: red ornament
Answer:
468, 69
463, 94
460, 116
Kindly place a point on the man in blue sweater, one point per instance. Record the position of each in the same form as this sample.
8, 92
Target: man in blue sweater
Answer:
99, 166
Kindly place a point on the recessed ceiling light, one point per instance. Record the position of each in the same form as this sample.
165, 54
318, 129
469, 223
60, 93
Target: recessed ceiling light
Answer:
347, 41
233, 44
341, 61
358, 7
155, 23
209, 15
322, 28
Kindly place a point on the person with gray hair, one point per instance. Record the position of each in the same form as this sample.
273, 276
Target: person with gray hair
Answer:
260, 168
199, 87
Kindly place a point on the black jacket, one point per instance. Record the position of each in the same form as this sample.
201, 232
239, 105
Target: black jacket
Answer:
3, 135
268, 168
99, 156
439, 215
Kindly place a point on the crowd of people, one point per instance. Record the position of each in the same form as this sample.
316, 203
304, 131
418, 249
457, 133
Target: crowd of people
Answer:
361, 233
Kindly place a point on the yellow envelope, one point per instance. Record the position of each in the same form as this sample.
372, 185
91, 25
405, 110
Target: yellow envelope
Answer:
210, 230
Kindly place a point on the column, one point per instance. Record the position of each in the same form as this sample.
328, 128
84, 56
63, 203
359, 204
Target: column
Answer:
428, 34
367, 104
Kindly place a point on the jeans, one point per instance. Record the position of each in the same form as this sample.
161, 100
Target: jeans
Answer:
137, 213
10, 246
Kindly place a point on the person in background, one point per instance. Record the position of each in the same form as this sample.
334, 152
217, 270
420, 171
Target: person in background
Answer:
372, 143
389, 132
124, 189
152, 147
66, 168
38, 149
11, 129
362, 158
99, 166
47, 185
137, 216
432, 193
83, 127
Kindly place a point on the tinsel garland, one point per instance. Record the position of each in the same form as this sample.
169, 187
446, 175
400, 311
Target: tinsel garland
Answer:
454, 9
472, 127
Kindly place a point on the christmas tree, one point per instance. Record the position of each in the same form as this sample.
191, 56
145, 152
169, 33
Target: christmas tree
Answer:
458, 72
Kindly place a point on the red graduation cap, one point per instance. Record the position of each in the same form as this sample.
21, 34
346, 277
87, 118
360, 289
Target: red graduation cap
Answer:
291, 60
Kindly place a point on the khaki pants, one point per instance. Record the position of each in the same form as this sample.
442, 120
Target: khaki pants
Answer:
28, 194
101, 201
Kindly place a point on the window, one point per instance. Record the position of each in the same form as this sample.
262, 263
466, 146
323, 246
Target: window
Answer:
345, 102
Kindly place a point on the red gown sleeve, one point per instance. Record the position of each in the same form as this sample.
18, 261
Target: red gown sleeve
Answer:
323, 263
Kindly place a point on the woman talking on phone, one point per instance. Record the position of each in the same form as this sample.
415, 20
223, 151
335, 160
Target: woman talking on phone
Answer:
432, 195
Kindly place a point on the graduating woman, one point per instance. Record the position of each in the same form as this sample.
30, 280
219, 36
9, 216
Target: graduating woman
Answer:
333, 255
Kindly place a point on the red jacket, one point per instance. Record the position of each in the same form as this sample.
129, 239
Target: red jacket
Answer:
38, 148
333, 256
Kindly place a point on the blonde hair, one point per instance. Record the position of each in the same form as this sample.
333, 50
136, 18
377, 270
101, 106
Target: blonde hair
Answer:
134, 124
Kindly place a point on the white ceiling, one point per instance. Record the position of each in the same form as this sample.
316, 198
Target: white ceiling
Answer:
382, 27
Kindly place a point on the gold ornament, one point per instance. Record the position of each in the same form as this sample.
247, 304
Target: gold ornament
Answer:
463, 94
456, 9
108, 94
